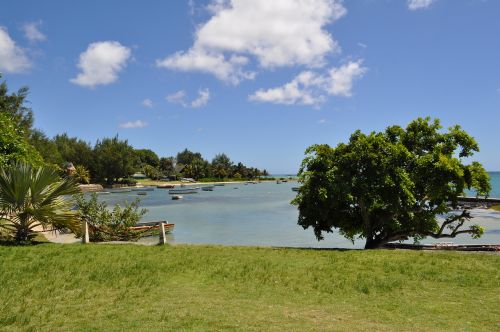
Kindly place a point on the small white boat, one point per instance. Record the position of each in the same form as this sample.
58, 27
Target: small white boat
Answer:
177, 197
208, 188
103, 193
142, 193
184, 190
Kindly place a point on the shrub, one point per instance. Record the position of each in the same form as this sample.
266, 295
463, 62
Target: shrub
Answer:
109, 225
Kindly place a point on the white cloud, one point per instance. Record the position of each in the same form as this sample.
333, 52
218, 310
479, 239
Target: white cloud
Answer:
179, 97
147, 103
13, 59
198, 59
133, 124
310, 88
340, 80
322, 121
276, 33
32, 31
101, 63
202, 100
298, 91
362, 45
419, 4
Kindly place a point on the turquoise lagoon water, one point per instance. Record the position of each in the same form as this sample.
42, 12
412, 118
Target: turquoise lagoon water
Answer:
261, 214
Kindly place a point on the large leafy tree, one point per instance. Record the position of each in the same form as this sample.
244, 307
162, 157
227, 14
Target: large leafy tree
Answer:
76, 151
33, 197
46, 147
186, 157
391, 185
221, 165
13, 105
14, 145
147, 157
114, 158
167, 165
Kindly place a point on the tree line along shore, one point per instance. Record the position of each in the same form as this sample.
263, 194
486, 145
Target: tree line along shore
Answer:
110, 160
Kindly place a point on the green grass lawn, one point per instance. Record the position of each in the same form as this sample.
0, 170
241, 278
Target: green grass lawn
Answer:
52, 287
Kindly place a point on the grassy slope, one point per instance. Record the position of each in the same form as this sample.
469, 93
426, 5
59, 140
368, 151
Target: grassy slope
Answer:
126, 287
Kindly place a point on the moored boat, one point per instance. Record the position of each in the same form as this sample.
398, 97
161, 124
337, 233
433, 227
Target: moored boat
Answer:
120, 190
143, 189
184, 190
165, 186
142, 193
295, 188
208, 188
177, 197
219, 184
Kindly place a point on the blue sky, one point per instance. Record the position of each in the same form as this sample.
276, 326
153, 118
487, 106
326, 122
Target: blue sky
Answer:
258, 80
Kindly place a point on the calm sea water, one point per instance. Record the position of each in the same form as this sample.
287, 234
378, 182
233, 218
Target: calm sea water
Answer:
260, 214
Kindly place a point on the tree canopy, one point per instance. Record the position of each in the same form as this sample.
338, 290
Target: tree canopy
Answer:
147, 157
114, 158
14, 145
13, 105
393, 185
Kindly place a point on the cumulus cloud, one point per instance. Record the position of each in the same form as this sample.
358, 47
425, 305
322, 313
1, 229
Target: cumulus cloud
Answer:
197, 59
274, 33
299, 91
340, 80
101, 63
419, 4
13, 59
179, 97
311, 88
147, 103
32, 31
133, 124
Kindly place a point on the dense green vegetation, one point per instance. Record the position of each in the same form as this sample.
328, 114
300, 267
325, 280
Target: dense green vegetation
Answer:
392, 185
207, 288
109, 161
14, 145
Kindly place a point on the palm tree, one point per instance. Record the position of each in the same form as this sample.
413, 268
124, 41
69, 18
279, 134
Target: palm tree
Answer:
34, 196
81, 175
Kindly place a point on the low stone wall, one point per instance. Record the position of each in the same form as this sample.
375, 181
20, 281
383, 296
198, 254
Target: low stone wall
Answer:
87, 188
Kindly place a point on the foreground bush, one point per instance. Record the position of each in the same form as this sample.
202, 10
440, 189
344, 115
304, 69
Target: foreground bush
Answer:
106, 225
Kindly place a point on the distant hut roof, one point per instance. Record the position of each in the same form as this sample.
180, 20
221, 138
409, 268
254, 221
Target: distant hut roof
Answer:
68, 167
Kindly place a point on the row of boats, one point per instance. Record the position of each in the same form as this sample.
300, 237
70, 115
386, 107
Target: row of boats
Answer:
172, 190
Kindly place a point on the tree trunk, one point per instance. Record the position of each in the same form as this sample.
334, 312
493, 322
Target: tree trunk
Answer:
374, 243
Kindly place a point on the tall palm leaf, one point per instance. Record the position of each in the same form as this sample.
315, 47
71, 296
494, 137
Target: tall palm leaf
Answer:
31, 197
